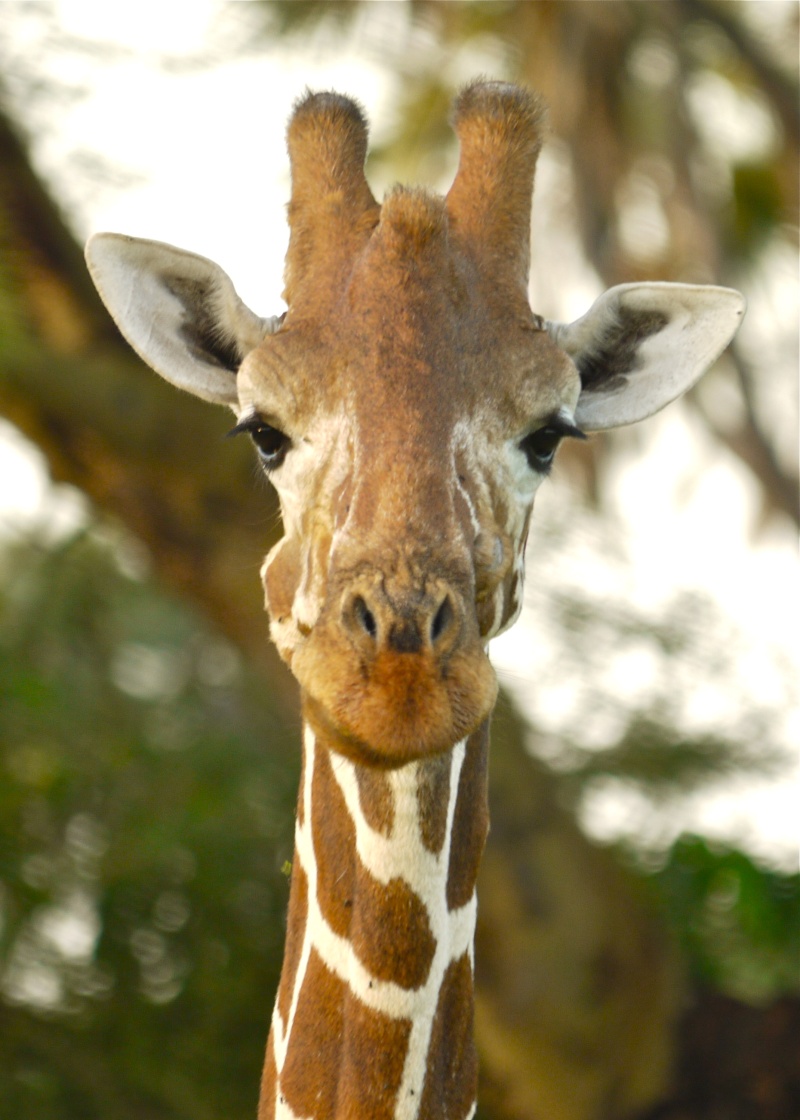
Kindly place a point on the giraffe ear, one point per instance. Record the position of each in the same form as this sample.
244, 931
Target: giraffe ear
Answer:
180, 312
641, 346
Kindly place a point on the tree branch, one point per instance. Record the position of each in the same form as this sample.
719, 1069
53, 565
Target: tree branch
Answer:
781, 90
750, 444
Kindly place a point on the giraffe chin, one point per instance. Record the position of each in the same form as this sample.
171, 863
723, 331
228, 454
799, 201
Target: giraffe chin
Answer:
398, 709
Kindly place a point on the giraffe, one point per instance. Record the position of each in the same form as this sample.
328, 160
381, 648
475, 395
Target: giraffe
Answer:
406, 407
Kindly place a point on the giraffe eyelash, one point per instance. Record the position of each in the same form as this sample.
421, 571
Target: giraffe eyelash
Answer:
270, 442
539, 446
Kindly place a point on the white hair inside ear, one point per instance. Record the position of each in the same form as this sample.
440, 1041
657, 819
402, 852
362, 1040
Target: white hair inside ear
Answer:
642, 345
179, 311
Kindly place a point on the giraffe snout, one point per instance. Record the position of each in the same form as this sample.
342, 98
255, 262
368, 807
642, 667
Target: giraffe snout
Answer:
412, 624
395, 668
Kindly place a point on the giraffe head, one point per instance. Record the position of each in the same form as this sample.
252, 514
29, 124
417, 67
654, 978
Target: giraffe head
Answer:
406, 408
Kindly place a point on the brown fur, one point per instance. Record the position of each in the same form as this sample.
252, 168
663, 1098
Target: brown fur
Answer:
295, 927
399, 315
345, 1061
433, 790
357, 906
500, 132
309, 1079
375, 798
269, 1080
396, 708
352, 1059
451, 1083
471, 821
332, 206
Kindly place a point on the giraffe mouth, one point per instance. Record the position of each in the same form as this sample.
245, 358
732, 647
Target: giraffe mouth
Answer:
396, 706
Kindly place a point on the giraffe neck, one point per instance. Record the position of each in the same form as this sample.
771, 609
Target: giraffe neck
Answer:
373, 1019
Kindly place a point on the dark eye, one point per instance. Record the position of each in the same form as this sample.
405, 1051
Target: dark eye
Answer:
271, 443
540, 447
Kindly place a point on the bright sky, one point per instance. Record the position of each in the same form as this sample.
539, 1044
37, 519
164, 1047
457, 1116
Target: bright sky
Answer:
205, 151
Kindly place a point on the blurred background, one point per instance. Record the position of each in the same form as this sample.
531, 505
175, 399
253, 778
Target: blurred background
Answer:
638, 949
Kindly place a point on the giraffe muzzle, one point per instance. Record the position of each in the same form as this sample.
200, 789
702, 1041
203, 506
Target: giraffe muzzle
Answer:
395, 673
413, 625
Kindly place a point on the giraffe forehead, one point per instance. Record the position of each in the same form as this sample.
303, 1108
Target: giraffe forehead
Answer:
416, 343
408, 380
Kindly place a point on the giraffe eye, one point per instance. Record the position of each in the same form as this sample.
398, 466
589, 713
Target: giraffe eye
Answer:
271, 443
539, 448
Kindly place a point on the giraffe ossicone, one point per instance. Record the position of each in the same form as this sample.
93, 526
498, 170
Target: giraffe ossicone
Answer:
406, 407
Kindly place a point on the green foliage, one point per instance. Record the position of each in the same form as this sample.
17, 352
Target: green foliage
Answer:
738, 923
759, 207
146, 808
287, 15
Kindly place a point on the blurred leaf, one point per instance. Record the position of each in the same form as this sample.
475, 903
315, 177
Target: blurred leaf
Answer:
288, 16
739, 923
656, 758
759, 207
142, 831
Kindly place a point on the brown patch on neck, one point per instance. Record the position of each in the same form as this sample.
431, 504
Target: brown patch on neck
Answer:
376, 799
334, 838
301, 809
269, 1084
387, 924
451, 1081
391, 934
311, 1086
295, 929
433, 794
471, 820
345, 1061
374, 1059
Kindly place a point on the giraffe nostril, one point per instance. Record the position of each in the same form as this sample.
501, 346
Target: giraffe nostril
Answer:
364, 617
442, 619
408, 625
